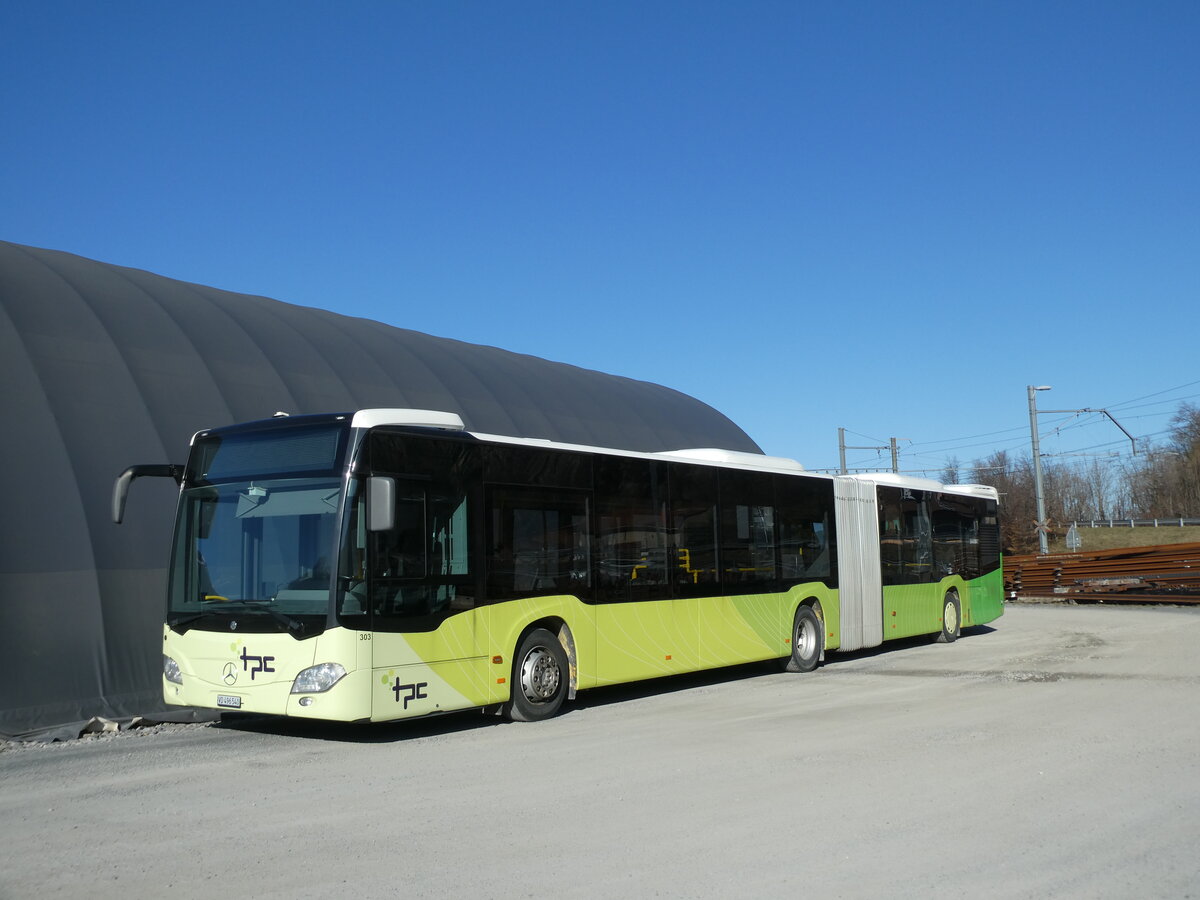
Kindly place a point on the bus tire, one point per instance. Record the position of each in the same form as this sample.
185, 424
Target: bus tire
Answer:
951, 619
808, 639
540, 678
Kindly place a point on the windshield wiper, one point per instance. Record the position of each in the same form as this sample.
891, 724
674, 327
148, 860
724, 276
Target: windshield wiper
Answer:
282, 618
188, 620
217, 604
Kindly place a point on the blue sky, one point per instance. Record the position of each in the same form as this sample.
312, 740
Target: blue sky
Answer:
890, 217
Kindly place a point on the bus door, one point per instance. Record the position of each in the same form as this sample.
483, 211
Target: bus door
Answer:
421, 589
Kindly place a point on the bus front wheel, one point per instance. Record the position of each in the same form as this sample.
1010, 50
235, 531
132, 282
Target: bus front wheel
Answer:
951, 619
807, 640
540, 674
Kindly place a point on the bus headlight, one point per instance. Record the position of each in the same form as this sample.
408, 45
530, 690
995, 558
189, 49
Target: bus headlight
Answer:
316, 679
171, 670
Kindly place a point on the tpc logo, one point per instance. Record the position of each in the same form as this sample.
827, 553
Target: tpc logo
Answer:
260, 663
411, 691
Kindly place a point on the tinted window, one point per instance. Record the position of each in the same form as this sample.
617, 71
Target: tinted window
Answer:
989, 537
538, 543
297, 450
916, 539
535, 466
906, 536
631, 548
747, 530
890, 536
955, 536
694, 530
804, 511
420, 571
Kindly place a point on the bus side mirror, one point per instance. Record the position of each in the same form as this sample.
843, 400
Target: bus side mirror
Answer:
121, 486
381, 503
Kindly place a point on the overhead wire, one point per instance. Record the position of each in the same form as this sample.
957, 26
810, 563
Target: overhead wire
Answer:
924, 450
1054, 428
1156, 394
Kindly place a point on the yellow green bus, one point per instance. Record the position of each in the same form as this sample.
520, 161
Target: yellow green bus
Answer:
389, 564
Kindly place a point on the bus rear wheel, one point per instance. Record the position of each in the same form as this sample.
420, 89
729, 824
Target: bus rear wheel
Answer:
807, 640
951, 619
539, 678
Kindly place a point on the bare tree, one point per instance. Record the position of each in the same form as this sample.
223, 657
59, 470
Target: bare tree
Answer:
952, 471
1100, 483
1166, 481
1185, 441
1013, 480
1160, 482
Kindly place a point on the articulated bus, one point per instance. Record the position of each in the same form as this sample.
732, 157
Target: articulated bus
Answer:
388, 563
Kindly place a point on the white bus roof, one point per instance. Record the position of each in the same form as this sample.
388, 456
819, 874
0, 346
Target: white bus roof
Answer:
423, 418
926, 484
430, 418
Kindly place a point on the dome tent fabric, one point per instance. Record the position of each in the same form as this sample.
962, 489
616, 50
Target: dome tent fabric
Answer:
103, 366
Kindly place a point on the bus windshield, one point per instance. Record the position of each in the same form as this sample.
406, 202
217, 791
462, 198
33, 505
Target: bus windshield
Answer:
258, 552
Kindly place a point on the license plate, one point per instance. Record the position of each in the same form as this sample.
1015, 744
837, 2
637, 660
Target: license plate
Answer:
229, 700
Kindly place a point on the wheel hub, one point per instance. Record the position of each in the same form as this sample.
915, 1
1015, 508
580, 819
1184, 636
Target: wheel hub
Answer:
540, 675
805, 639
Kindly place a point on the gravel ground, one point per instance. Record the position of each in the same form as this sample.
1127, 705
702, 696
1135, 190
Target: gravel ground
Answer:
123, 733
1052, 754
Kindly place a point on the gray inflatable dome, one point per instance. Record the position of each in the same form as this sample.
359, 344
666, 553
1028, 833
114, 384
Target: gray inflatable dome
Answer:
102, 367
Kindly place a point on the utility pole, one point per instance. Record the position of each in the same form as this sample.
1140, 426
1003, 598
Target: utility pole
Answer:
842, 448
1042, 525
1039, 497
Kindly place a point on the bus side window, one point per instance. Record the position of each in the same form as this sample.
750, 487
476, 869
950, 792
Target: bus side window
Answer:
694, 530
538, 542
890, 536
631, 524
401, 552
804, 508
955, 537
916, 538
988, 529
748, 551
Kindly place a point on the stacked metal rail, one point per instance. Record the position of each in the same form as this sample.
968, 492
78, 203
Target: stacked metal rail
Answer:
1165, 573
